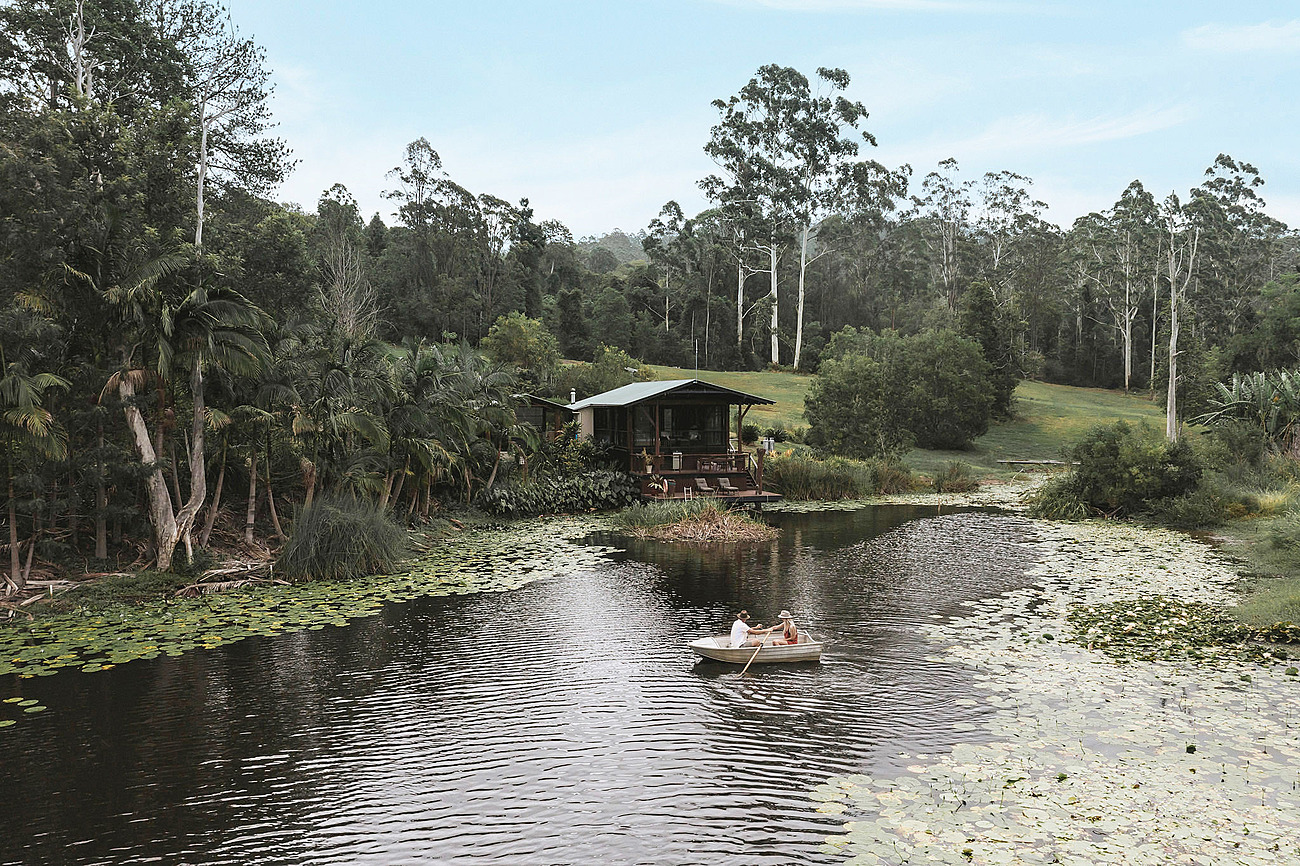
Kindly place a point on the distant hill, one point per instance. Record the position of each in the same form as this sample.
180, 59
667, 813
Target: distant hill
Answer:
620, 246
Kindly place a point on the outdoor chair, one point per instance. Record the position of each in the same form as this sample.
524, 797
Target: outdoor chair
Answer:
702, 486
725, 484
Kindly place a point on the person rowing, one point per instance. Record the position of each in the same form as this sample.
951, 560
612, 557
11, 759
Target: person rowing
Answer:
743, 635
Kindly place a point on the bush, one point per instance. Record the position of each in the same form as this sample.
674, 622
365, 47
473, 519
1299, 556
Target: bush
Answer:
1198, 510
339, 537
545, 494
777, 433
884, 393
1120, 471
956, 477
749, 434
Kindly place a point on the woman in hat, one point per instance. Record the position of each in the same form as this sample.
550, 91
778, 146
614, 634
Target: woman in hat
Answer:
789, 631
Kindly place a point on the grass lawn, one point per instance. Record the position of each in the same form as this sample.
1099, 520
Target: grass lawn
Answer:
1048, 417
787, 389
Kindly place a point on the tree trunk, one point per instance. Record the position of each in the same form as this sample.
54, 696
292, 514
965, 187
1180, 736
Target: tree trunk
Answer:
803, 268
1171, 401
270, 500
308, 481
161, 514
251, 515
15, 577
400, 481
101, 499
740, 304
198, 462
211, 520
202, 176
776, 348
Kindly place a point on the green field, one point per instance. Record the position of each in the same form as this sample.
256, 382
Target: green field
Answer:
1047, 417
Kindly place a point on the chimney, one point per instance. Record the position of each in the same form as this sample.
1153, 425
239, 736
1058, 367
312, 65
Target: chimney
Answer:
573, 395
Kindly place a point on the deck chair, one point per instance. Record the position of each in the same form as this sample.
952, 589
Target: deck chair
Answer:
702, 486
724, 484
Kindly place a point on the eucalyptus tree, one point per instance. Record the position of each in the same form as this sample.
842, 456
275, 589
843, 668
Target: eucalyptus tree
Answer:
1181, 240
945, 206
752, 146
1239, 243
668, 245
792, 154
228, 85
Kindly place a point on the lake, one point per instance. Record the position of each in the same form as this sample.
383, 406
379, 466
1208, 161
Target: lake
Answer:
563, 722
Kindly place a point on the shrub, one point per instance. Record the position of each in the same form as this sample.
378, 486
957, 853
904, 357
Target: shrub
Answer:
339, 537
777, 433
749, 434
1059, 499
884, 393
1198, 510
956, 477
1120, 471
546, 494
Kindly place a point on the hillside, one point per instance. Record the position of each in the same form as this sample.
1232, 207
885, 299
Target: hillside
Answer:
1048, 417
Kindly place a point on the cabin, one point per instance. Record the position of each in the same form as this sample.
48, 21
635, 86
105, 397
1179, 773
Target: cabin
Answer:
677, 437
547, 416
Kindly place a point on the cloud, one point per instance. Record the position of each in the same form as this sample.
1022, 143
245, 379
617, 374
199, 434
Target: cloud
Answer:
1271, 36
1039, 132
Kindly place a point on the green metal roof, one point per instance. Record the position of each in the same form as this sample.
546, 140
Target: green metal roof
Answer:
640, 392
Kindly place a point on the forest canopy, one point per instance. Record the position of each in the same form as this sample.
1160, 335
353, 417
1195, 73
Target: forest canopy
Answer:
171, 334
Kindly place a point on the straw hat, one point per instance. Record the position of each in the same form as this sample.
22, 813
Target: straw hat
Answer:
785, 614
743, 615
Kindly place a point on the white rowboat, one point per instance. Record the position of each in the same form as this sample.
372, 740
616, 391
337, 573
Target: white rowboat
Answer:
719, 648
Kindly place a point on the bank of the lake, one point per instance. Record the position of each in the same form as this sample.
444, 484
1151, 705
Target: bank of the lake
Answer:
1086, 760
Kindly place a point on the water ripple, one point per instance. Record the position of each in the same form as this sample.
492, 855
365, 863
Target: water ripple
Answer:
559, 723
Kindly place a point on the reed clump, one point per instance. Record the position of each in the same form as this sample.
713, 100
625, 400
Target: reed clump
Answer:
340, 537
808, 478
696, 520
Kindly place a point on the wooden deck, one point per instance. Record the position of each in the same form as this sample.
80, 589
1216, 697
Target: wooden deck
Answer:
741, 497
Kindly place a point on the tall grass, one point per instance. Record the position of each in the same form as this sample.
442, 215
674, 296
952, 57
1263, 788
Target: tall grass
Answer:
802, 477
692, 520
339, 537
956, 477
654, 514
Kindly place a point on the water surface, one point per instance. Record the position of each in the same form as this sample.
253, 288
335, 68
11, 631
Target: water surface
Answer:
564, 722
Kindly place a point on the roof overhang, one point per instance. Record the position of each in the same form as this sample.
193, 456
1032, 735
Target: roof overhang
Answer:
686, 390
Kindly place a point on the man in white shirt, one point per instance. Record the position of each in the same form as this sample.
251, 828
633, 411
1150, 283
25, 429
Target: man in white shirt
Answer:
742, 634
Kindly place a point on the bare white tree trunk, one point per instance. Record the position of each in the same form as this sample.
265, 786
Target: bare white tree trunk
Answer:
803, 269
202, 172
250, 516
776, 308
161, 513
198, 468
740, 303
1176, 273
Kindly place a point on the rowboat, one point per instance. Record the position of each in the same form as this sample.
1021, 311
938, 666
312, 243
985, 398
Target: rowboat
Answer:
719, 648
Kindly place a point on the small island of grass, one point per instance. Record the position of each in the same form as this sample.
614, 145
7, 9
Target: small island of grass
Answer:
697, 520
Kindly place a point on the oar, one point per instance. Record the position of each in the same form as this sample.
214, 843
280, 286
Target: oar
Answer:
756, 652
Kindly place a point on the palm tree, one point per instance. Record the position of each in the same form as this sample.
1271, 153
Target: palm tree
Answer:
27, 429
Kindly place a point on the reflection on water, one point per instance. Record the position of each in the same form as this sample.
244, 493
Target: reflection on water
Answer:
561, 723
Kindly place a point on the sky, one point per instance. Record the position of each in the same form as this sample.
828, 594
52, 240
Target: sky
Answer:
598, 112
